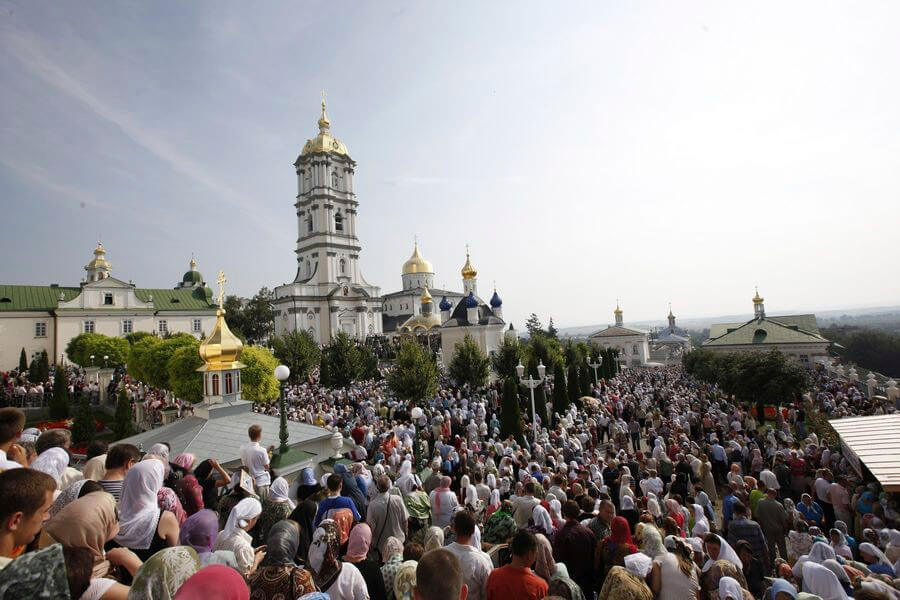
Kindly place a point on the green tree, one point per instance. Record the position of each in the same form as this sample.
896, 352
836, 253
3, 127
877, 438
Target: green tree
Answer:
469, 365
340, 362
83, 427
156, 367
258, 377
510, 415
584, 379
544, 349
573, 385
533, 326
507, 358
560, 392
136, 336
258, 318
123, 422
414, 375
551, 330
237, 321
298, 351
83, 346
139, 363
34, 371
59, 404
369, 364
23, 361
184, 379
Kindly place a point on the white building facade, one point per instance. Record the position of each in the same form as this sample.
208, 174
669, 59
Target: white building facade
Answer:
633, 345
45, 318
329, 293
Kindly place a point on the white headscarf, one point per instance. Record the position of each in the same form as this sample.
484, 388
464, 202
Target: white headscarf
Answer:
138, 508
279, 492
701, 523
627, 503
769, 478
819, 580
726, 552
640, 564
541, 519
407, 479
729, 588
873, 550
242, 513
53, 462
495, 498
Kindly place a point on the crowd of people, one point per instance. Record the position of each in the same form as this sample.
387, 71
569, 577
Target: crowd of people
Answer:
658, 487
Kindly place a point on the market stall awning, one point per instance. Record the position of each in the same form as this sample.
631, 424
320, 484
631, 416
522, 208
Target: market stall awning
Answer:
874, 442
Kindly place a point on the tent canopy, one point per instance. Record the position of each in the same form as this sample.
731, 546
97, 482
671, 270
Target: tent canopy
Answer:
875, 442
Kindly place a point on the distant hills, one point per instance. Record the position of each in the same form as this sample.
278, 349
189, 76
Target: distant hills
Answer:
872, 317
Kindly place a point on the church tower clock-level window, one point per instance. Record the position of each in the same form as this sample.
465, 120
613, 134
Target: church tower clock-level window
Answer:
338, 221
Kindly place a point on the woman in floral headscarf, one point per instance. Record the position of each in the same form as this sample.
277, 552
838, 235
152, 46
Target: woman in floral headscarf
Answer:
278, 576
160, 577
168, 500
393, 558
341, 581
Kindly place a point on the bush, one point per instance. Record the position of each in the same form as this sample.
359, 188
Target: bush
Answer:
258, 377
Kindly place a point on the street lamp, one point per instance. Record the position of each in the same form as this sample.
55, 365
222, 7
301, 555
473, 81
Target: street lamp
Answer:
281, 374
532, 383
105, 358
92, 360
596, 366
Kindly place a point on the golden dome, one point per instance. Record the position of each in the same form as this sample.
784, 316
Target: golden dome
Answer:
222, 349
426, 297
420, 324
468, 271
417, 264
757, 299
618, 310
324, 142
99, 261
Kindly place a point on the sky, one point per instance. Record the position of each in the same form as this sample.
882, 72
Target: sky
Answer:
650, 152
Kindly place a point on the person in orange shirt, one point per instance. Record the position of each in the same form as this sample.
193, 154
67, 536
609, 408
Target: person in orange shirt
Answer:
517, 580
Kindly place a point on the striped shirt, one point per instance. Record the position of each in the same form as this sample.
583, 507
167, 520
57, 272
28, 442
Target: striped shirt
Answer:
113, 487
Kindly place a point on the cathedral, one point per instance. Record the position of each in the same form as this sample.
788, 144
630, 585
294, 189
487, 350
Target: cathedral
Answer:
328, 293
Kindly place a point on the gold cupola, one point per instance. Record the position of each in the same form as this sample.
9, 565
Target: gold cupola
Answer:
618, 310
426, 296
416, 263
99, 267
324, 142
757, 299
468, 271
222, 349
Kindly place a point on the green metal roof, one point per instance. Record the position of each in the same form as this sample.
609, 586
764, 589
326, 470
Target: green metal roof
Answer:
33, 297
805, 322
765, 331
178, 299
44, 298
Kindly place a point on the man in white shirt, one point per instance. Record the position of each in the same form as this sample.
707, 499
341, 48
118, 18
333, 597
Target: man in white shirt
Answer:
476, 565
523, 505
255, 459
12, 421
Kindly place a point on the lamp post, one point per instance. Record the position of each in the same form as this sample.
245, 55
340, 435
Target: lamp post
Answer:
105, 358
531, 384
281, 374
92, 360
596, 366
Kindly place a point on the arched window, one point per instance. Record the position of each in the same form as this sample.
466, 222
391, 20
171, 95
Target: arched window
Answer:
229, 384
343, 266
309, 226
634, 349
334, 180
338, 222
237, 379
215, 384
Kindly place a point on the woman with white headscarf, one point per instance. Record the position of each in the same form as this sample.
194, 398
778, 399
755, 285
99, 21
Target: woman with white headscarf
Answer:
144, 527
406, 479
875, 559
468, 494
235, 537
541, 521
724, 552
819, 553
53, 462
701, 523
821, 581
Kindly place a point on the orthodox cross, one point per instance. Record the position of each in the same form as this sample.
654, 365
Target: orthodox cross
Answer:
221, 280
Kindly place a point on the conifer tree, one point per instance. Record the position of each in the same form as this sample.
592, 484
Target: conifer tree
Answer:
123, 424
551, 330
469, 365
510, 415
23, 361
560, 392
83, 428
573, 385
584, 379
59, 404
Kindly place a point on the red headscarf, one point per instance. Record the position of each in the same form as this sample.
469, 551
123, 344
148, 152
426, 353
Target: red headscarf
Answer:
620, 532
214, 581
